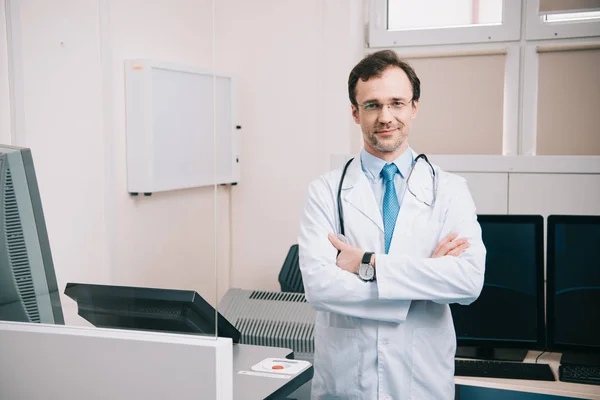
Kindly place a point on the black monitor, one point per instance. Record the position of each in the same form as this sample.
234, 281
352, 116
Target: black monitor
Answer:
508, 317
573, 281
28, 287
166, 310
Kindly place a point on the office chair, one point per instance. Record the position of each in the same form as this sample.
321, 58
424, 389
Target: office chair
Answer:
290, 278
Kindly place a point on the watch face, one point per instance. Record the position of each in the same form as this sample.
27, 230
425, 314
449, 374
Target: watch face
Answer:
366, 272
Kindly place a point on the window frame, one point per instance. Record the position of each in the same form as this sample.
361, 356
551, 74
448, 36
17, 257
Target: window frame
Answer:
530, 85
380, 36
535, 29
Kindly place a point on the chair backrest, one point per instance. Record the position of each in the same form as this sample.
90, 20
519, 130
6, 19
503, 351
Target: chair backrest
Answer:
290, 278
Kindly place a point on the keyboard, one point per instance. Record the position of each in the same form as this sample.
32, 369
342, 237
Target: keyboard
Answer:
503, 369
579, 374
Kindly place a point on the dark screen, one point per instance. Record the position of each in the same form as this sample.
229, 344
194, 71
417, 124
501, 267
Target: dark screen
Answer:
141, 308
576, 283
506, 310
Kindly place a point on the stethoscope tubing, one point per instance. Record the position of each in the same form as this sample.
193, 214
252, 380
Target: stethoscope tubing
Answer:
339, 193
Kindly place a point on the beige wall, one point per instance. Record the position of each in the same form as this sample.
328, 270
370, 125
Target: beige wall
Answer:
461, 106
568, 103
292, 61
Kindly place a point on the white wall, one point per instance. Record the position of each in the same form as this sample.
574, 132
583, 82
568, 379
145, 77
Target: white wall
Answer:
63, 127
292, 60
73, 53
4, 91
578, 194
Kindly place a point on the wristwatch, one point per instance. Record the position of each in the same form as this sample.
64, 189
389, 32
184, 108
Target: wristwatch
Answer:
366, 272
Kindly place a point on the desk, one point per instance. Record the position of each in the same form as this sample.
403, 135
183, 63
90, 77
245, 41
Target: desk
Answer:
556, 388
63, 363
249, 387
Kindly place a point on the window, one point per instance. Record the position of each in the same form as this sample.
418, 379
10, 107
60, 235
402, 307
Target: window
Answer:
557, 19
417, 23
408, 14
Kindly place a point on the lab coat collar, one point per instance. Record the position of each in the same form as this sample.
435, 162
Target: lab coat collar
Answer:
357, 191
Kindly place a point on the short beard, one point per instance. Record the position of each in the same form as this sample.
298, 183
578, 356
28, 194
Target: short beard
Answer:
384, 147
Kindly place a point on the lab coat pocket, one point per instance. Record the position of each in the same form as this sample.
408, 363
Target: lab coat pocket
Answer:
336, 362
432, 364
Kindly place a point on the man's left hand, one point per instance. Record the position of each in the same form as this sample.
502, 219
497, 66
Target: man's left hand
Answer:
349, 258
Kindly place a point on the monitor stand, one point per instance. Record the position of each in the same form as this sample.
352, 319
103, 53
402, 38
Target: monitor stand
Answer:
491, 353
570, 357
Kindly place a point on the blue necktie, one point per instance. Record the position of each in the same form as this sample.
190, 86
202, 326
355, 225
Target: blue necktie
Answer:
390, 203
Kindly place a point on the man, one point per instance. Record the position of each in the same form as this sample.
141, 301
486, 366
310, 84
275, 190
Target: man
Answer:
411, 246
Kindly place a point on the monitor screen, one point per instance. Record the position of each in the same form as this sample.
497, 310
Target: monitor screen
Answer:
573, 279
28, 287
509, 310
166, 310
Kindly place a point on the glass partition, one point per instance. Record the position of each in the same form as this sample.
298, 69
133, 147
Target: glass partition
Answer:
114, 102
117, 156
293, 120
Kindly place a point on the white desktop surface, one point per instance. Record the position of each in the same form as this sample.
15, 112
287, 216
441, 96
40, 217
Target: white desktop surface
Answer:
250, 387
557, 388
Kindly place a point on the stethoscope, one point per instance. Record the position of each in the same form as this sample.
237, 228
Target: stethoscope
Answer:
419, 157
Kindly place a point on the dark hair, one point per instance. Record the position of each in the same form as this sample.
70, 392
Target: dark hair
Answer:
374, 64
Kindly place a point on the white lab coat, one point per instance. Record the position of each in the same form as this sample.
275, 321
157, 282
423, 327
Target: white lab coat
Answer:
392, 338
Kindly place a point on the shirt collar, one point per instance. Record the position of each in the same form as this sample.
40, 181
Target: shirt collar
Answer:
372, 165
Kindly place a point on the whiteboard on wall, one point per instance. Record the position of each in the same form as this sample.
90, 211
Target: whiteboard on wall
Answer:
181, 131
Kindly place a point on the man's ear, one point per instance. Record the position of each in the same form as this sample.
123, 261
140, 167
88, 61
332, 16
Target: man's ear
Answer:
355, 113
415, 109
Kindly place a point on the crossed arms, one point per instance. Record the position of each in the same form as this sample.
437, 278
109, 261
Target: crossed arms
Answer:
453, 273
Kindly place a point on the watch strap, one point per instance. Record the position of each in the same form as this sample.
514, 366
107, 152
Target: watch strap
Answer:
367, 258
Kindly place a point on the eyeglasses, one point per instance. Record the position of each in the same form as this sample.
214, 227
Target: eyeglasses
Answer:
374, 108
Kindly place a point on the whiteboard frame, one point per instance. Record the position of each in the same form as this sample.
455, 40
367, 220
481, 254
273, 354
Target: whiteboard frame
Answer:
139, 129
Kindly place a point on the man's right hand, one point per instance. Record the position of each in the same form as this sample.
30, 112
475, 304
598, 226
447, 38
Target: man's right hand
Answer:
450, 246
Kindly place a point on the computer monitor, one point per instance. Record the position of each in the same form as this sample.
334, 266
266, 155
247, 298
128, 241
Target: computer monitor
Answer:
28, 287
508, 317
167, 310
573, 281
